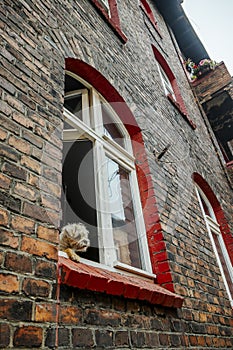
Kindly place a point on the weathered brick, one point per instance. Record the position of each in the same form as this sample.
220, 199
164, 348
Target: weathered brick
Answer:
70, 314
40, 248
5, 182
24, 121
83, 337
45, 269
4, 217
36, 287
16, 310
50, 202
25, 191
10, 202
4, 335
33, 139
19, 144
9, 152
31, 164
104, 338
48, 234
2, 256
164, 339
122, 338
3, 135
45, 312
14, 103
33, 180
29, 336
18, 262
9, 283
5, 108
22, 224
6, 85
102, 317
14, 171
8, 238
63, 337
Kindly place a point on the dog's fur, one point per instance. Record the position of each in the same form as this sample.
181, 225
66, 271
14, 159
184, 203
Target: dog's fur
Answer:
74, 238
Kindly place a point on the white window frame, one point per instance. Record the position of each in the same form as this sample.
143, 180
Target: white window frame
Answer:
167, 86
212, 225
105, 4
92, 127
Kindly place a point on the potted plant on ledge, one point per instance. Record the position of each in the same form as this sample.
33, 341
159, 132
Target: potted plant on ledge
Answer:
198, 70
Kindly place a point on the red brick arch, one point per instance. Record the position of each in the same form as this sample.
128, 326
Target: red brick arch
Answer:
224, 227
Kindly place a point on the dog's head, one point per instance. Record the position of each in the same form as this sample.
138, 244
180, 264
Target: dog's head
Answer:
75, 236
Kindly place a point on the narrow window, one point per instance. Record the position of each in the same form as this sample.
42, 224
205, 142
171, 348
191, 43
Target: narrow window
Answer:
99, 180
166, 82
217, 241
147, 9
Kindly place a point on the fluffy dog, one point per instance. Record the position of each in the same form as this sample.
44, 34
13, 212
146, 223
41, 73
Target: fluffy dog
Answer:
74, 238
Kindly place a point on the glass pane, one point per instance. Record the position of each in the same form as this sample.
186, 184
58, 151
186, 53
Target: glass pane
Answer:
67, 126
110, 127
205, 207
74, 105
122, 213
78, 195
223, 262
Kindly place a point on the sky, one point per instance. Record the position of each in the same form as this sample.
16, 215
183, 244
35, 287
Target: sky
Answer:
212, 20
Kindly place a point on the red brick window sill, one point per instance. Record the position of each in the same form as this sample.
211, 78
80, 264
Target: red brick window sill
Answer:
112, 19
183, 113
92, 278
229, 164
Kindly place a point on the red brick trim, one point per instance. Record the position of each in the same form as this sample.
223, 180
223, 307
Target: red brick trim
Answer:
102, 85
156, 242
147, 10
113, 21
96, 279
229, 164
224, 227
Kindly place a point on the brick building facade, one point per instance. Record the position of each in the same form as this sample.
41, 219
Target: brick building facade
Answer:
107, 79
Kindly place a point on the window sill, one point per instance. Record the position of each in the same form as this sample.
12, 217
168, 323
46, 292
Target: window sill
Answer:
229, 164
93, 278
178, 107
112, 24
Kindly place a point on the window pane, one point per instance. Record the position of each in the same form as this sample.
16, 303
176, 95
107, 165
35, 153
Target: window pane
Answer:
122, 213
74, 105
78, 196
223, 262
110, 127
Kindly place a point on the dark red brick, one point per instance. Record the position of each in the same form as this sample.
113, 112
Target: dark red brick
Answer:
83, 337
4, 335
28, 336
18, 262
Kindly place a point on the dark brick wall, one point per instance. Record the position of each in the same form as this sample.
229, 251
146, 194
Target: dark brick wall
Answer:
36, 38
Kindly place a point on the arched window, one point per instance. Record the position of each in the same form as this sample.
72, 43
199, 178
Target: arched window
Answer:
147, 9
170, 85
99, 179
217, 241
167, 84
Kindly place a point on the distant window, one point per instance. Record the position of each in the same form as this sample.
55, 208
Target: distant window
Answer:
99, 180
217, 241
147, 9
166, 82
105, 3
109, 11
